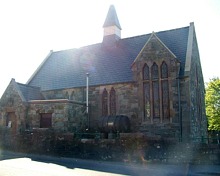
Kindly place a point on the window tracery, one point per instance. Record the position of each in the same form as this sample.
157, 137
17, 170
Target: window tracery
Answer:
156, 91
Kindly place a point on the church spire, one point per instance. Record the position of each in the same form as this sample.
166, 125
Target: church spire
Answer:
112, 27
112, 18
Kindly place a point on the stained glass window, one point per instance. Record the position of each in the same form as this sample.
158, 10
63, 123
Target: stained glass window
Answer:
164, 70
165, 98
105, 103
147, 100
146, 72
154, 71
156, 99
112, 102
156, 91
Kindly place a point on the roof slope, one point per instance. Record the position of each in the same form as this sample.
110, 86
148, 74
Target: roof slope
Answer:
105, 64
30, 92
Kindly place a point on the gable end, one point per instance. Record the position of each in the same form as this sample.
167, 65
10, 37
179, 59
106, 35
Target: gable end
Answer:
153, 50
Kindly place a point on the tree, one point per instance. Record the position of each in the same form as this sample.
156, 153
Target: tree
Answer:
212, 99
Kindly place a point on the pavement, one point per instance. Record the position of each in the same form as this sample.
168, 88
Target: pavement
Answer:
21, 164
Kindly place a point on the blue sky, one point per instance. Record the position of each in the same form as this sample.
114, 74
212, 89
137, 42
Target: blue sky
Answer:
31, 28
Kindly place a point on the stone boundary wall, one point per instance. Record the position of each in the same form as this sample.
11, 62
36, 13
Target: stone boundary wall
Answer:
135, 148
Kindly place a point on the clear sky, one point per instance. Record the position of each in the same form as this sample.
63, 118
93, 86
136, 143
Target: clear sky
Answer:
29, 29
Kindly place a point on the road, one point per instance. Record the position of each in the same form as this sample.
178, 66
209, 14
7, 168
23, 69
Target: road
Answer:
18, 164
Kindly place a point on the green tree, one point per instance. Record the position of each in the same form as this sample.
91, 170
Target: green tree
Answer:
212, 99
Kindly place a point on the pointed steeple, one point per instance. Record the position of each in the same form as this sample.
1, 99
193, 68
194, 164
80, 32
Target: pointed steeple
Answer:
112, 27
112, 18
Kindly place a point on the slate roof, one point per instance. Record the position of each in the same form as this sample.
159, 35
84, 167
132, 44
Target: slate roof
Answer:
105, 64
30, 92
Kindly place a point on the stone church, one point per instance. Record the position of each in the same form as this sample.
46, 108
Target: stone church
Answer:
154, 79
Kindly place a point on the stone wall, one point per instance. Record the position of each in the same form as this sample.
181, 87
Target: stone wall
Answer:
129, 148
126, 101
75, 94
66, 115
198, 121
11, 102
185, 112
194, 121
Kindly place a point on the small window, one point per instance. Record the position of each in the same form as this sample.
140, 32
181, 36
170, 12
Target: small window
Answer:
46, 120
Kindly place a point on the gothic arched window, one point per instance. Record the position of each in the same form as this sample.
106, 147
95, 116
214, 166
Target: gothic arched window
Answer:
146, 74
146, 87
147, 102
112, 102
156, 91
105, 102
165, 98
164, 70
154, 71
165, 90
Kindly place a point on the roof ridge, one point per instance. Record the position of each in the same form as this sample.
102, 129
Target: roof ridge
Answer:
76, 49
65, 50
28, 85
172, 29
90, 45
155, 32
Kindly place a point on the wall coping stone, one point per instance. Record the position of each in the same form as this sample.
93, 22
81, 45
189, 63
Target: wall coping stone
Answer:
55, 101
